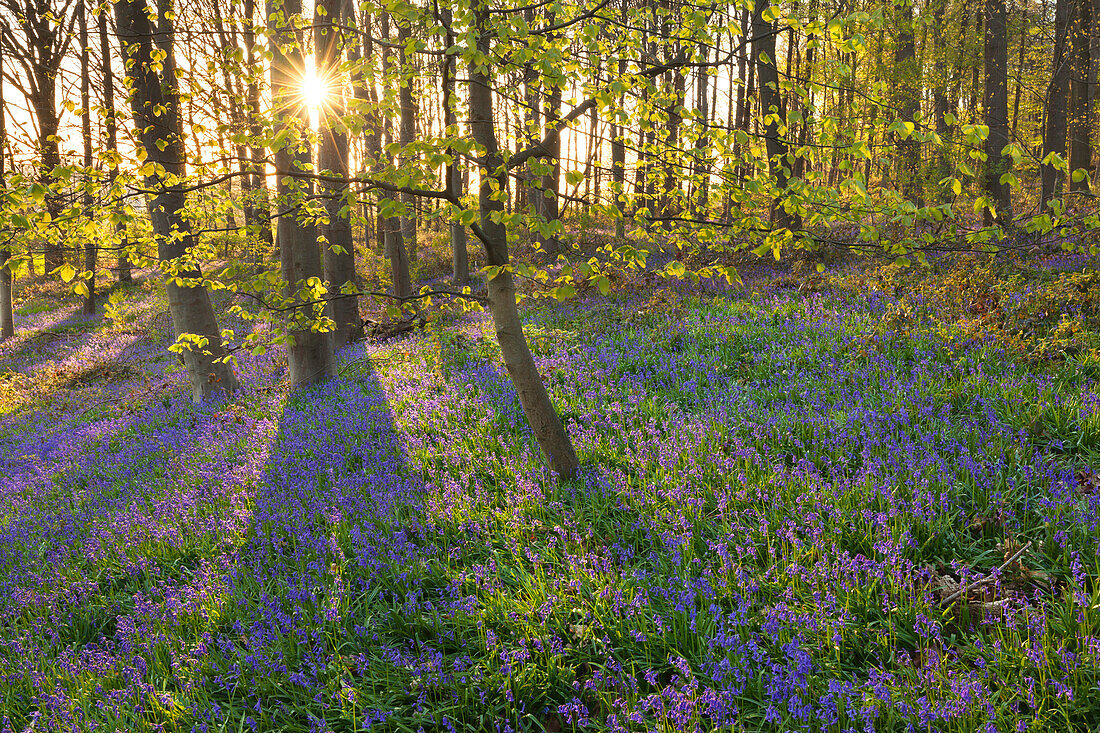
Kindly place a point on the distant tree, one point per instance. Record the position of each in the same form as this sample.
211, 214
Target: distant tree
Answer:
110, 124
90, 250
7, 316
996, 111
779, 163
1055, 104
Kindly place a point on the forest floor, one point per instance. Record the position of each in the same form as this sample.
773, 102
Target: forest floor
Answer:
863, 500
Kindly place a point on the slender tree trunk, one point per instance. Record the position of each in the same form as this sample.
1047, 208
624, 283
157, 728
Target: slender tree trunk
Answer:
551, 181
701, 164
88, 306
459, 252
763, 54
261, 204
1080, 123
1020, 63
1055, 104
238, 102
996, 110
907, 73
366, 104
673, 171
406, 136
939, 89
110, 123
394, 237
618, 150
7, 316
161, 137
50, 157
535, 400
339, 248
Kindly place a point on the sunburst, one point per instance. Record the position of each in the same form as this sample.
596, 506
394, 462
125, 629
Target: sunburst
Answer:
315, 91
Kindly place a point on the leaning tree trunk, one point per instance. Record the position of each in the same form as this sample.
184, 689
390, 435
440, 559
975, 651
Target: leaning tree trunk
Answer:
537, 406
1054, 128
309, 353
161, 137
339, 252
7, 317
763, 54
996, 111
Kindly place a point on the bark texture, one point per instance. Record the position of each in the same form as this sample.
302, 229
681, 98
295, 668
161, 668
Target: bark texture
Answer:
160, 135
535, 400
1054, 128
996, 110
339, 253
763, 54
309, 353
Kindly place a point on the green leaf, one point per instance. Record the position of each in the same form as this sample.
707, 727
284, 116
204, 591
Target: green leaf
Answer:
564, 292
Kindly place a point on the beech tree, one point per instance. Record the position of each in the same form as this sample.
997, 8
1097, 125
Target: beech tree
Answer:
309, 351
151, 74
38, 43
332, 158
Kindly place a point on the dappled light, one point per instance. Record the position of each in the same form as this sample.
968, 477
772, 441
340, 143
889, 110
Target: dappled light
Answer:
546, 367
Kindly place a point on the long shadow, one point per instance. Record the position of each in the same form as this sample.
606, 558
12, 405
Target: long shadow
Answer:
334, 551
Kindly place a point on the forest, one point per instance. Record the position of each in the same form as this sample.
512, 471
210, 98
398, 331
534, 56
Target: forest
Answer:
547, 365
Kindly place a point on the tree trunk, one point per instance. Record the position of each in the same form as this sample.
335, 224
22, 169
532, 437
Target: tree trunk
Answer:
673, 171
549, 192
537, 406
1055, 104
88, 305
160, 135
261, 206
110, 123
459, 252
939, 91
907, 77
763, 54
394, 237
339, 248
701, 166
7, 316
618, 151
996, 111
309, 353
1080, 123
407, 135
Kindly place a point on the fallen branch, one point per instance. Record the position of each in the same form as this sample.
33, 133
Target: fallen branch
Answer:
992, 577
